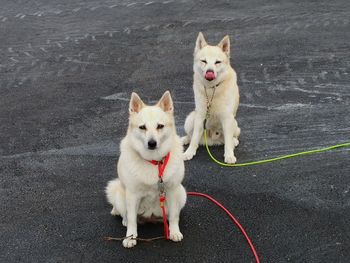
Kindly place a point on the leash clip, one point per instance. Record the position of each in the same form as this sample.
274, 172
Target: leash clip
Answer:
161, 187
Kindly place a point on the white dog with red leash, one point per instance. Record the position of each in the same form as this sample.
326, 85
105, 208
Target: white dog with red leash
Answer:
150, 169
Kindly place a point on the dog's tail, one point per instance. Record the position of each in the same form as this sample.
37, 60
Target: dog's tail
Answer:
115, 194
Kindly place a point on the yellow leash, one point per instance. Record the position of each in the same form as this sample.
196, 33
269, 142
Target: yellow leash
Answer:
347, 144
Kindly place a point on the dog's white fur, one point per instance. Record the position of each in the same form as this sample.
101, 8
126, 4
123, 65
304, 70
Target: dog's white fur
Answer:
135, 192
221, 126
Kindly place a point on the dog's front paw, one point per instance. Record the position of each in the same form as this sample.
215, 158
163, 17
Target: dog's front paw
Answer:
235, 142
188, 155
176, 236
230, 159
129, 242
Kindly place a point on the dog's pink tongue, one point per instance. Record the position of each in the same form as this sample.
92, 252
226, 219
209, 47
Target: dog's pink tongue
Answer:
209, 75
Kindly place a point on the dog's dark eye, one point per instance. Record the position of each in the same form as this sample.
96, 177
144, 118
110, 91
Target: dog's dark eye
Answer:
160, 126
142, 127
204, 61
217, 62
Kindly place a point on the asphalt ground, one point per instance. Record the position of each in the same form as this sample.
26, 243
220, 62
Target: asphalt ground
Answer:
67, 69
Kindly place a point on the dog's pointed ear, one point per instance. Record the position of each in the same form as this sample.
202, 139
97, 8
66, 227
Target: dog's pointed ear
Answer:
225, 45
136, 104
200, 42
166, 102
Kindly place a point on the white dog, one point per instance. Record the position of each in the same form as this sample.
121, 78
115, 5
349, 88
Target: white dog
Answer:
151, 136
216, 91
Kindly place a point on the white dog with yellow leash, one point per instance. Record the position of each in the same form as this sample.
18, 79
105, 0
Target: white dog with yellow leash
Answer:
216, 97
150, 169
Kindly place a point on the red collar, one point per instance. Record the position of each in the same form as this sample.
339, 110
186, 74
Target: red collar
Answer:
161, 164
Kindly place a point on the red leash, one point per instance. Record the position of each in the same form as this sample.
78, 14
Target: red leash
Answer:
234, 221
162, 199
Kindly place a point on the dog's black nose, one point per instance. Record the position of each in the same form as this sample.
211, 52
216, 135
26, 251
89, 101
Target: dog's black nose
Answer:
152, 144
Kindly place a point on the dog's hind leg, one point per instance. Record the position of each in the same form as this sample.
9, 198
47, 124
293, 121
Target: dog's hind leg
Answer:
236, 133
114, 212
235, 142
185, 140
215, 137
